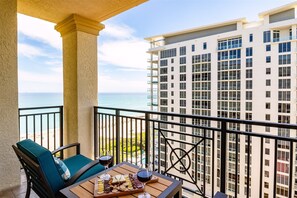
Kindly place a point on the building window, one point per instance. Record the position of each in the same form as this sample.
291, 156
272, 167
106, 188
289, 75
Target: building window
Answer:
284, 71
284, 108
182, 94
193, 48
267, 105
172, 77
249, 62
268, 48
163, 79
172, 69
275, 35
172, 101
182, 86
182, 51
172, 93
284, 59
172, 85
268, 59
249, 51
251, 38
266, 162
168, 53
163, 63
284, 83
268, 71
182, 60
284, 47
266, 36
182, 77
249, 84
248, 106
204, 45
182, 69
268, 82
172, 60
249, 95
267, 117
249, 73
267, 94
182, 103
284, 96
267, 151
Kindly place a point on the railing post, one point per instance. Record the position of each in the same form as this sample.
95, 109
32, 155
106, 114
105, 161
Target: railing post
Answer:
95, 134
223, 156
118, 137
61, 129
147, 138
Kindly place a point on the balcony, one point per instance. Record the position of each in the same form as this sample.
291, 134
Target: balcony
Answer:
183, 150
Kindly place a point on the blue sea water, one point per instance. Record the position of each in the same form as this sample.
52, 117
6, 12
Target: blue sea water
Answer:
134, 101
118, 100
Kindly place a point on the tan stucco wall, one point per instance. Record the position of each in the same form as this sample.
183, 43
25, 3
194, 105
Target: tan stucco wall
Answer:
80, 88
9, 165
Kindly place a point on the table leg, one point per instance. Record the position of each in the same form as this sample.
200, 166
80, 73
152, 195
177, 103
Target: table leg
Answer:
178, 194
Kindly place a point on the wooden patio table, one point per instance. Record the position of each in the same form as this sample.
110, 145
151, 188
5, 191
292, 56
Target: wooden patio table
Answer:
165, 187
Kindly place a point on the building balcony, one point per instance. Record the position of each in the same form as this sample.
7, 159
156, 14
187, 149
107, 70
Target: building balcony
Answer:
180, 150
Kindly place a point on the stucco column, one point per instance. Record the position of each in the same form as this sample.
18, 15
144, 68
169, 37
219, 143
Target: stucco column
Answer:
79, 37
9, 132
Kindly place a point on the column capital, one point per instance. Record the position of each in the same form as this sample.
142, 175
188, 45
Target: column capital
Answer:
78, 23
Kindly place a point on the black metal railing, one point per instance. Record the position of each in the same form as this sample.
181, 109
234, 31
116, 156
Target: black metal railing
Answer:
43, 125
208, 154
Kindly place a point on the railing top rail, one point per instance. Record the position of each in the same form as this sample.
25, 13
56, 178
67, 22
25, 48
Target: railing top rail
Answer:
229, 120
34, 108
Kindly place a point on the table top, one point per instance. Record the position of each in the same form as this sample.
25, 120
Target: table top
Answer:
165, 187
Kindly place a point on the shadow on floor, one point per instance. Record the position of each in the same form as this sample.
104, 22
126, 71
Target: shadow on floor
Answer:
18, 191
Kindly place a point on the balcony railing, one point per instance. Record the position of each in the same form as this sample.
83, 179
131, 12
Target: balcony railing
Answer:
205, 153
43, 125
195, 149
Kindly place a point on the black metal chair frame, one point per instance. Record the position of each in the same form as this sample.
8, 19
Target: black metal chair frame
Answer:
36, 179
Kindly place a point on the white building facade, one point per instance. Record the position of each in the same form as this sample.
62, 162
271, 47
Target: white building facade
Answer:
233, 69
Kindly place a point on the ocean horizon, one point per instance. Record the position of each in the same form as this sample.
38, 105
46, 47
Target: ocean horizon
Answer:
127, 100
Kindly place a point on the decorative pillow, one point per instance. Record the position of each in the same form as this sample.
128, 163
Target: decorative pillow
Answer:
62, 169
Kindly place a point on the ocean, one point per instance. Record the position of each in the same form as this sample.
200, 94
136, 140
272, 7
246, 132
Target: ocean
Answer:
137, 101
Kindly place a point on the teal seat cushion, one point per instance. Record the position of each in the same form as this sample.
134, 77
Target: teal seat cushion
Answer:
76, 162
44, 158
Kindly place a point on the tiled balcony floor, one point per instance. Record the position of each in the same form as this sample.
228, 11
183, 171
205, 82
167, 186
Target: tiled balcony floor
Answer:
19, 191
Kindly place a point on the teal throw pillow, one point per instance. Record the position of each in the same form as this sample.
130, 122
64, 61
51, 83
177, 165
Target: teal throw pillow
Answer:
62, 169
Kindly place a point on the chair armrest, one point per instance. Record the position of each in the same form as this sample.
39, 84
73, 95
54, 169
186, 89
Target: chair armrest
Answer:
82, 171
62, 148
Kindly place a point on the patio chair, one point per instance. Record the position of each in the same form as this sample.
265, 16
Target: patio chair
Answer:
42, 172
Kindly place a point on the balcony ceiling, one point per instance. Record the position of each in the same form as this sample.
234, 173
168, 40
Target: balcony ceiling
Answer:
57, 10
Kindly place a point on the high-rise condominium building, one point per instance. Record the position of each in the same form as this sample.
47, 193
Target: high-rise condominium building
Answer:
235, 69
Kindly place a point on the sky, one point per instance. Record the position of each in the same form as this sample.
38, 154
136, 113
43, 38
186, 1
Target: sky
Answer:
122, 57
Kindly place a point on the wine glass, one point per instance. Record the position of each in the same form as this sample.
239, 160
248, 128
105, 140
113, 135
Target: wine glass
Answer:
144, 175
105, 160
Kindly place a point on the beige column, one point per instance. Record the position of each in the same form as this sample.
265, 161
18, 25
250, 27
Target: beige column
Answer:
9, 132
80, 79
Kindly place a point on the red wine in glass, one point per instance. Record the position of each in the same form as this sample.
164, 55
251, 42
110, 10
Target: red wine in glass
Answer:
105, 160
144, 176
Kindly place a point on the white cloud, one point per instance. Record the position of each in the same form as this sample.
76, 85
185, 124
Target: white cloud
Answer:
26, 76
29, 50
39, 82
39, 30
123, 49
110, 84
117, 31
